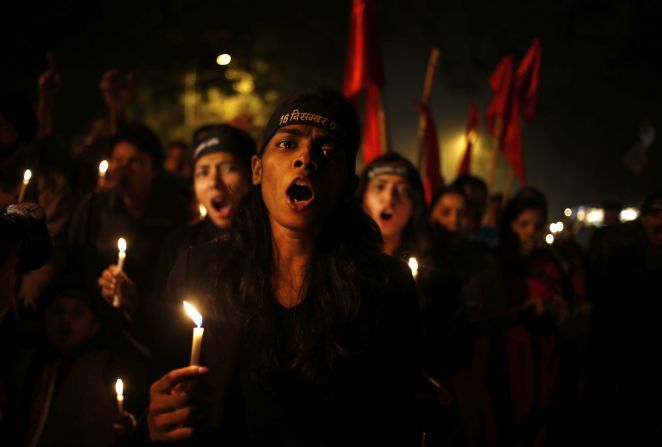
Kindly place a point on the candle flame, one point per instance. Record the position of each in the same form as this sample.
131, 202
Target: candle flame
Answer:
27, 175
121, 244
413, 265
103, 167
193, 313
119, 387
203, 211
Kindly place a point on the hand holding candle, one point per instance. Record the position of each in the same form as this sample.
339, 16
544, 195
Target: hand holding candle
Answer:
119, 389
413, 266
194, 315
27, 175
121, 256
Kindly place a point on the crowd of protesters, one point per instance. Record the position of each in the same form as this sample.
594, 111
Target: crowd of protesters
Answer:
318, 331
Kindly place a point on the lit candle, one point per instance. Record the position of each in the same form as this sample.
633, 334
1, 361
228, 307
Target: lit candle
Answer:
119, 389
103, 168
121, 256
413, 266
27, 175
203, 211
194, 315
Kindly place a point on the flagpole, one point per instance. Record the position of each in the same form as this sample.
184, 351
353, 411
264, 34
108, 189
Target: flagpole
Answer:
383, 126
496, 139
425, 98
507, 187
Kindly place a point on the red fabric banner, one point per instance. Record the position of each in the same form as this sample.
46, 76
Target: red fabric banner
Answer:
501, 83
364, 60
372, 147
364, 71
432, 178
528, 79
515, 96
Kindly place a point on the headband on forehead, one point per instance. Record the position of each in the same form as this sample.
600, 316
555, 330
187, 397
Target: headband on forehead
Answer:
223, 138
325, 109
385, 169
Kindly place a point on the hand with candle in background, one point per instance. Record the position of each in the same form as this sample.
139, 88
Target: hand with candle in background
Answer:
126, 421
116, 283
176, 405
123, 295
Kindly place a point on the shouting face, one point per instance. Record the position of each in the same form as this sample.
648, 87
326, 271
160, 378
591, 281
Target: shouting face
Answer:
221, 180
388, 200
303, 175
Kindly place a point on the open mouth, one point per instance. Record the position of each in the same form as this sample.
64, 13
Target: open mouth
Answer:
300, 194
220, 205
385, 216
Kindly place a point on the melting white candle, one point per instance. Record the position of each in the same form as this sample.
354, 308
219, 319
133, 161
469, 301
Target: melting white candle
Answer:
119, 389
413, 266
194, 315
27, 175
121, 256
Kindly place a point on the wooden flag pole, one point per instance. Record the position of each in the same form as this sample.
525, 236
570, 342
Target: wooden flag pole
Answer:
491, 169
427, 90
383, 129
507, 187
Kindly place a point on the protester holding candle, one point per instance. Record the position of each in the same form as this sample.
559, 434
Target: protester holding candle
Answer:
310, 332
222, 177
142, 206
63, 383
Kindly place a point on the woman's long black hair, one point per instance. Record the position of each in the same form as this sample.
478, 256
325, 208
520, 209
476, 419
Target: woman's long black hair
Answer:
343, 269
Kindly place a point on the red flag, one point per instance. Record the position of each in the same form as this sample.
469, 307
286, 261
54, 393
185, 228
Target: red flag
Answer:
472, 125
512, 142
372, 147
501, 83
364, 59
432, 179
527, 79
364, 70
514, 97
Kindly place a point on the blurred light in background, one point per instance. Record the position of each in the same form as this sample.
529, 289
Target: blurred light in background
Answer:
223, 59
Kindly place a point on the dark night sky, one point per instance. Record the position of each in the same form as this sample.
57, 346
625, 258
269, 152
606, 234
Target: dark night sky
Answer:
600, 78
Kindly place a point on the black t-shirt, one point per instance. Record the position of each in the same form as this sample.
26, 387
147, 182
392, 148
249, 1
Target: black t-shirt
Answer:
365, 398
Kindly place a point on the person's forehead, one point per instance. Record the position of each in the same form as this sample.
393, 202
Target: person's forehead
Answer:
390, 178
126, 149
453, 197
213, 158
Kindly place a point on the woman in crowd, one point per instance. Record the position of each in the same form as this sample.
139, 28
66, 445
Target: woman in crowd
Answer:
470, 263
311, 332
221, 179
391, 192
533, 275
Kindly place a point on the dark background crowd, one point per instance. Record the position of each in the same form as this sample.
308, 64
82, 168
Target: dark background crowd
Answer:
523, 340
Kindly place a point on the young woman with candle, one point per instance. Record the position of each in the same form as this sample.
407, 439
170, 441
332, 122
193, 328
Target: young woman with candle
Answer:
310, 332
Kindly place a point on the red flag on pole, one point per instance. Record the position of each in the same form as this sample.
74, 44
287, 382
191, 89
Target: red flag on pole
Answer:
364, 70
432, 178
364, 58
501, 83
514, 97
472, 125
372, 147
527, 79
